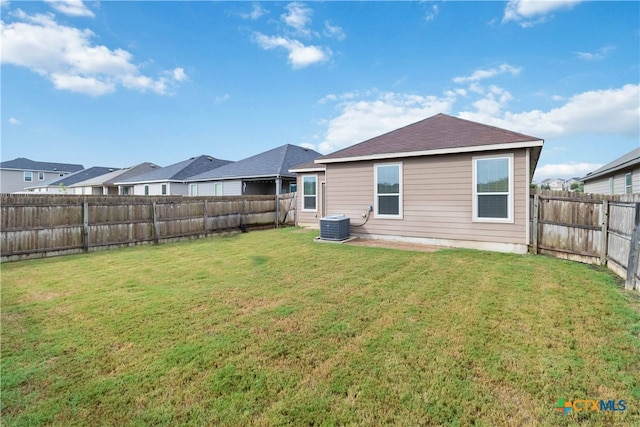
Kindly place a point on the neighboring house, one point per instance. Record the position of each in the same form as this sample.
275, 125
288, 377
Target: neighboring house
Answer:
169, 180
264, 173
18, 174
555, 184
105, 184
569, 182
443, 180
61, 185
621, 176
311, 190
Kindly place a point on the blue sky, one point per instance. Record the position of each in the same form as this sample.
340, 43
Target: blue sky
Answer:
106, 83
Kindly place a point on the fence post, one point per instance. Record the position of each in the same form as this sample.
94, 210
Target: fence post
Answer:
536, 215
604, 231
155, 223
205, 217
85, 226
277, 211
634, 251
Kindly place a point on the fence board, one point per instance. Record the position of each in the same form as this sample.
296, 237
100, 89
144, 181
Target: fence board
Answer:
588, 228
47, 225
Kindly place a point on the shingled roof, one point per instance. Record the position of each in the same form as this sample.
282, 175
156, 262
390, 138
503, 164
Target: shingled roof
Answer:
272, 163
632, 158
180, 171
76, 177
438, 134
22, 163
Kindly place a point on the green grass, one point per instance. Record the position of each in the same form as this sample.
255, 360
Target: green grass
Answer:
270, 328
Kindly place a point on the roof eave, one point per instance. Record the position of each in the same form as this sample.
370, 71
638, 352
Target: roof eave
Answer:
626, 165
454, 150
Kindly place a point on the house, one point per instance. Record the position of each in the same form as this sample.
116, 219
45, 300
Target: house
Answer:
17, 174
105, 184
568, 183
555, 184
264, 173
61, 185
621, 176
443, 181
169, 179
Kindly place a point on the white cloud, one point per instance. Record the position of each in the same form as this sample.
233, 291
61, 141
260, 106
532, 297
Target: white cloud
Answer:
14, 121
300, 56
71, 7
66, 56
360, 120
256, 12
363, 115
298, 16
334, 31
564, 170
485, 74
179, 75
595, 56
528, 13
221, 99
431, 15
608, 111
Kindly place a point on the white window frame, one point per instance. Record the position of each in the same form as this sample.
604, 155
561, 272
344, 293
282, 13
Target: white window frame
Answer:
315, 195
628, 187
41, 176
27, 176
400, 214
216, 186
193, 189
163, 189
510, 196
611, 186
147, 190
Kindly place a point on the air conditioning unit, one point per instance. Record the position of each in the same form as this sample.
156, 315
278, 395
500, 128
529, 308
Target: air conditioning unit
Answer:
334, 227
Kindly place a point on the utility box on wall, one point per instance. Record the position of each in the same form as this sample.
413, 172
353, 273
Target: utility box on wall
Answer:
334, 227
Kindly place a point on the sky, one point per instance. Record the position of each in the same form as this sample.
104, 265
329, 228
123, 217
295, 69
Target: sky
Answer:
117, 83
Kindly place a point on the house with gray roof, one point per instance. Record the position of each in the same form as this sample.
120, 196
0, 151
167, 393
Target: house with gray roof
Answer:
264, 173
169, 180
620, 176
18, 174
105, 184
61, 185
442, 181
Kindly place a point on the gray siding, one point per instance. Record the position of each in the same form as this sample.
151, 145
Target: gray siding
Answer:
437, 199
601, 185
13, 180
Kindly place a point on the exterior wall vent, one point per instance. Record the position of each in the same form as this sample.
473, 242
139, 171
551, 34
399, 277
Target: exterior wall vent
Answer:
334, 227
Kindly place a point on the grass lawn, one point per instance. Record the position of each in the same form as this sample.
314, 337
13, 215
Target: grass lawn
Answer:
270, 328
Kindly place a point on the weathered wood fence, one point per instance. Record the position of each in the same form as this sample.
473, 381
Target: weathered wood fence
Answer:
592, 228
34, 226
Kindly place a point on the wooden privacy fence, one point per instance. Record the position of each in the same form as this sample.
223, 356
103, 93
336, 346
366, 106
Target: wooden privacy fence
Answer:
593, 228
46, 225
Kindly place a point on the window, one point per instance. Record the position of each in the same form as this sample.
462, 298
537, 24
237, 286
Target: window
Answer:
611, 190
293, 187
28, 176
388, 190
493, 189
146, 190
193, 189
217, 189
40, 176
628, 188
164, 189
310, 193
